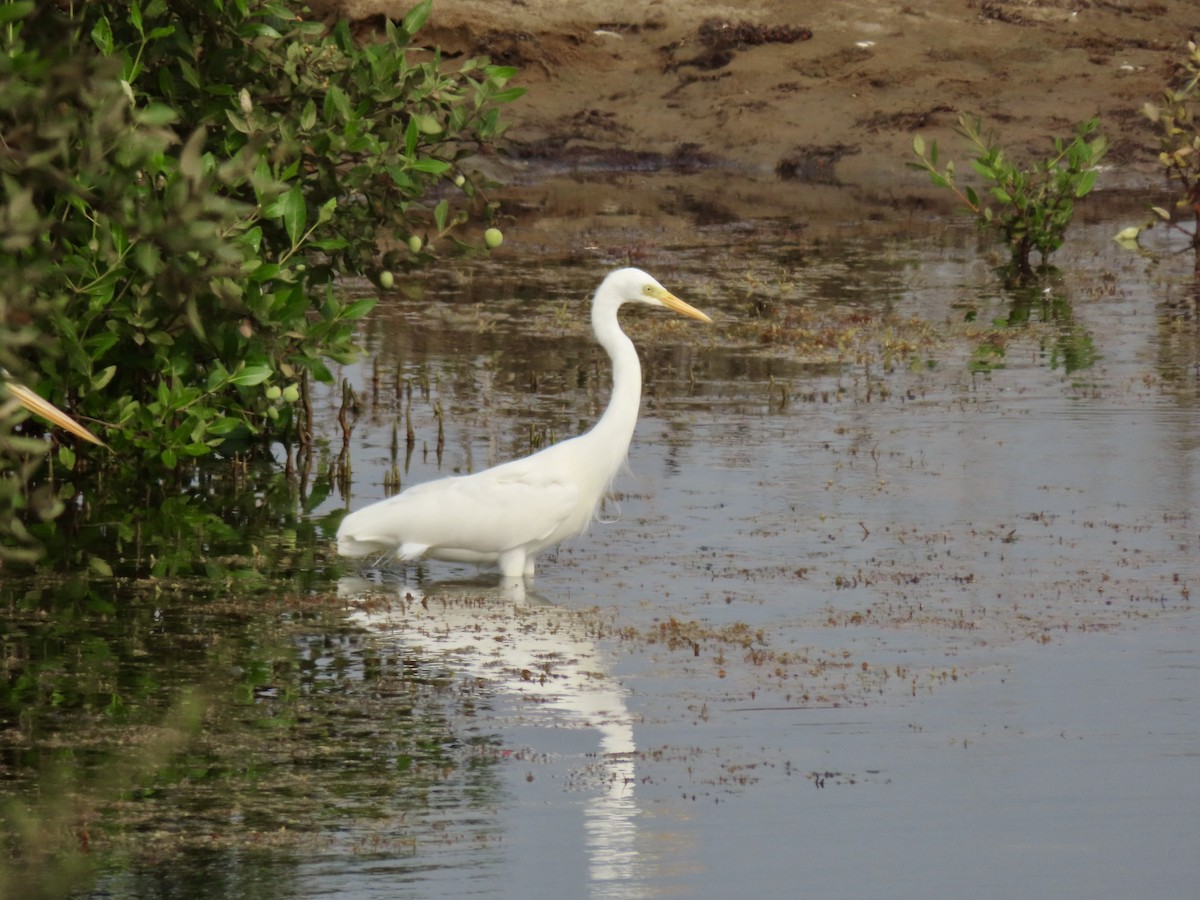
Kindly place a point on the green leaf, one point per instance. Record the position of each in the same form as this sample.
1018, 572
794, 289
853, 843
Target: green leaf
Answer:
439, 215
336, 102
238, 121
359, 308
262, 29
308, 116
253, 238
317, 494
427, 124
508, 95
290, 207
223, 426
983, 170
431, 166
411, 137
102, 35
261, 272
103, 378
1085, 184
98, 566
918, 145
188, 71
498, 75
329, 244
417, 17
248, 376
397, 174
10, 12
319, 371
216, 377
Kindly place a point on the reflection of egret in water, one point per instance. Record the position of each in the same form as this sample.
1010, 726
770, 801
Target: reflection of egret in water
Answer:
541, 657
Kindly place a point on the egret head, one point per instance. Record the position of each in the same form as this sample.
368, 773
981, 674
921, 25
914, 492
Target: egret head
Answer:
635, 286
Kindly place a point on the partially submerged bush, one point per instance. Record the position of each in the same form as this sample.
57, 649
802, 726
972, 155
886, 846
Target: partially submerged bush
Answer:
180, 184
1032, 207
1179, 143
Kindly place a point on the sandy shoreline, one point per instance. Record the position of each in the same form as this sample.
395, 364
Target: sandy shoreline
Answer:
742, 83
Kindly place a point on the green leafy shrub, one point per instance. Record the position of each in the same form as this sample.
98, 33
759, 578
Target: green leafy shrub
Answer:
1179, 141
181, 184
20, 459
1032, 206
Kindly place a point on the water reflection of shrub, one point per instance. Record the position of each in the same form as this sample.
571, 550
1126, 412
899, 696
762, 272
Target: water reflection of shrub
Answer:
195, 689
1049, 315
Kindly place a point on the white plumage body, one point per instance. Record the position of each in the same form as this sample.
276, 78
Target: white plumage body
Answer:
507, 514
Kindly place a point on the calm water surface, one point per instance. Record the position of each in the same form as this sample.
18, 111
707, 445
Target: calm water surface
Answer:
863, 622
845, 631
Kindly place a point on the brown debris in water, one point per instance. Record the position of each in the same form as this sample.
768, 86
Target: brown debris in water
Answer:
722, 38
814, 163
723, 33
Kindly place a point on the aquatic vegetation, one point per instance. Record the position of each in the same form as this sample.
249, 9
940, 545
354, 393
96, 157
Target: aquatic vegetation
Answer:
1179, 142
1035, 203
20, 460
203, 689
1044, 316
174, 229
210, 169
269, 726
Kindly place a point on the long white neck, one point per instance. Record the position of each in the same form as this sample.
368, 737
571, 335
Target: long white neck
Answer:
615, 427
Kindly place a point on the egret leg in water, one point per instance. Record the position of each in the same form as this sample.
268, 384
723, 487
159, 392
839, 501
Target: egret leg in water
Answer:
507, 514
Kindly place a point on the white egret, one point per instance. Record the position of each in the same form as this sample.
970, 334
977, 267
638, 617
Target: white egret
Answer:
35, 404
506, 514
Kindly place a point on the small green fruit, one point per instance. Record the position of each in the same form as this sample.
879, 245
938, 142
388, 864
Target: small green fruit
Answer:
386, 280
414, 244
493, 237
274, 392
459, 181
291, 393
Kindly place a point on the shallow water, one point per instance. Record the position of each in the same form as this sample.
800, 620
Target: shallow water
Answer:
851, 632
884, 616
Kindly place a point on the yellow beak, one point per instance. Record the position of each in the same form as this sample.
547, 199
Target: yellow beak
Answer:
49, 411
670, 301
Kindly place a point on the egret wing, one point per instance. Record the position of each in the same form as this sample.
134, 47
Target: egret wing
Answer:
488, 513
